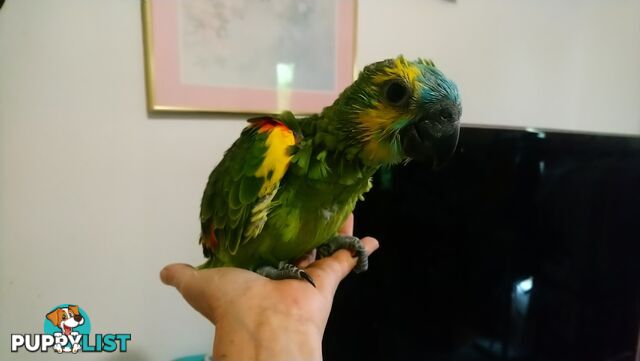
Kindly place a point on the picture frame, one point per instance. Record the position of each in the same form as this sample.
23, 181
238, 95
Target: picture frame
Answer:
247, 56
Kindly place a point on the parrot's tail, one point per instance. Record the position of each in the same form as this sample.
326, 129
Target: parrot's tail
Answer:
206, 248
207, 251
210, 263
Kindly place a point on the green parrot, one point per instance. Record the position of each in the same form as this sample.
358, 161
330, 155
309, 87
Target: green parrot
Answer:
287, 184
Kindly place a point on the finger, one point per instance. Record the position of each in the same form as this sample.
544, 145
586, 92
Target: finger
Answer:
329, 271
306, 260
175, 274
347, 227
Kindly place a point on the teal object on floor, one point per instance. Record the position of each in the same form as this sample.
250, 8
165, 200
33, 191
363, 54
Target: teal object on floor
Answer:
201, 357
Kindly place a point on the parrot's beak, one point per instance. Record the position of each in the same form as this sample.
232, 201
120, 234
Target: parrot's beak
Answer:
433, 138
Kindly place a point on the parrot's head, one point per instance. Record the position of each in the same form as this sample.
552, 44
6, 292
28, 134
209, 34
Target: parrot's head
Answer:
399, 110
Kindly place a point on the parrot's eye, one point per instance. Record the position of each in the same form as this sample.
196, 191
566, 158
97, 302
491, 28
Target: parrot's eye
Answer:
446, 114
396, 92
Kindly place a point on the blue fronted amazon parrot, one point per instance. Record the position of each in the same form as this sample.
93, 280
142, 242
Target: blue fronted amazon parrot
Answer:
287, 184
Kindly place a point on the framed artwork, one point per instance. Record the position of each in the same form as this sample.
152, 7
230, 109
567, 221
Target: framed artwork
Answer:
247, 56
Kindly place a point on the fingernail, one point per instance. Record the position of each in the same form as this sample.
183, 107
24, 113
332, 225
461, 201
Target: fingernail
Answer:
376, 245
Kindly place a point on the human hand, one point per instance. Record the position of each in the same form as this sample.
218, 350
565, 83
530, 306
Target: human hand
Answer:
258, 318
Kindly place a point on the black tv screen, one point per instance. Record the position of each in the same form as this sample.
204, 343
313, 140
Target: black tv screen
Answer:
524, 246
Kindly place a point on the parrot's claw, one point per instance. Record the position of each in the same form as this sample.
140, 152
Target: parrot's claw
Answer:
285, 271
353, 244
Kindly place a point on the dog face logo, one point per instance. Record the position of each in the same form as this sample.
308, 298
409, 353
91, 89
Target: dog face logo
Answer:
68, 323
66, 318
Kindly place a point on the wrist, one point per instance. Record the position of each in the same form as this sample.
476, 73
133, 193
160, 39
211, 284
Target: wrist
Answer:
268, 336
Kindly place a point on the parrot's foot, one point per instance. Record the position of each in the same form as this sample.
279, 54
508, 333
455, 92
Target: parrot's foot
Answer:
353, 244
285, 271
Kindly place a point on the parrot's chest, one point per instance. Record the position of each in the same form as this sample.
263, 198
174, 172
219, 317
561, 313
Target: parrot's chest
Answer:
306, 214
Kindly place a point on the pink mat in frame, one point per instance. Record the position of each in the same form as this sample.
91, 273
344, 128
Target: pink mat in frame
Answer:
167, 92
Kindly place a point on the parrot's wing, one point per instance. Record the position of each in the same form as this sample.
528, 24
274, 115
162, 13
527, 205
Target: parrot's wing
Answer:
241, 188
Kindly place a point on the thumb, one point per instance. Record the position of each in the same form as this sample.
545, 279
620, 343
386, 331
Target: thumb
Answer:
329, 271
175, 274
185, 279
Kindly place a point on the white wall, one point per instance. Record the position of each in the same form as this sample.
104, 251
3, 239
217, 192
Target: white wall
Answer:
96, 196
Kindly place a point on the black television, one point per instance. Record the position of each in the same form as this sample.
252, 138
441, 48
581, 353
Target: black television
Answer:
524, 246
